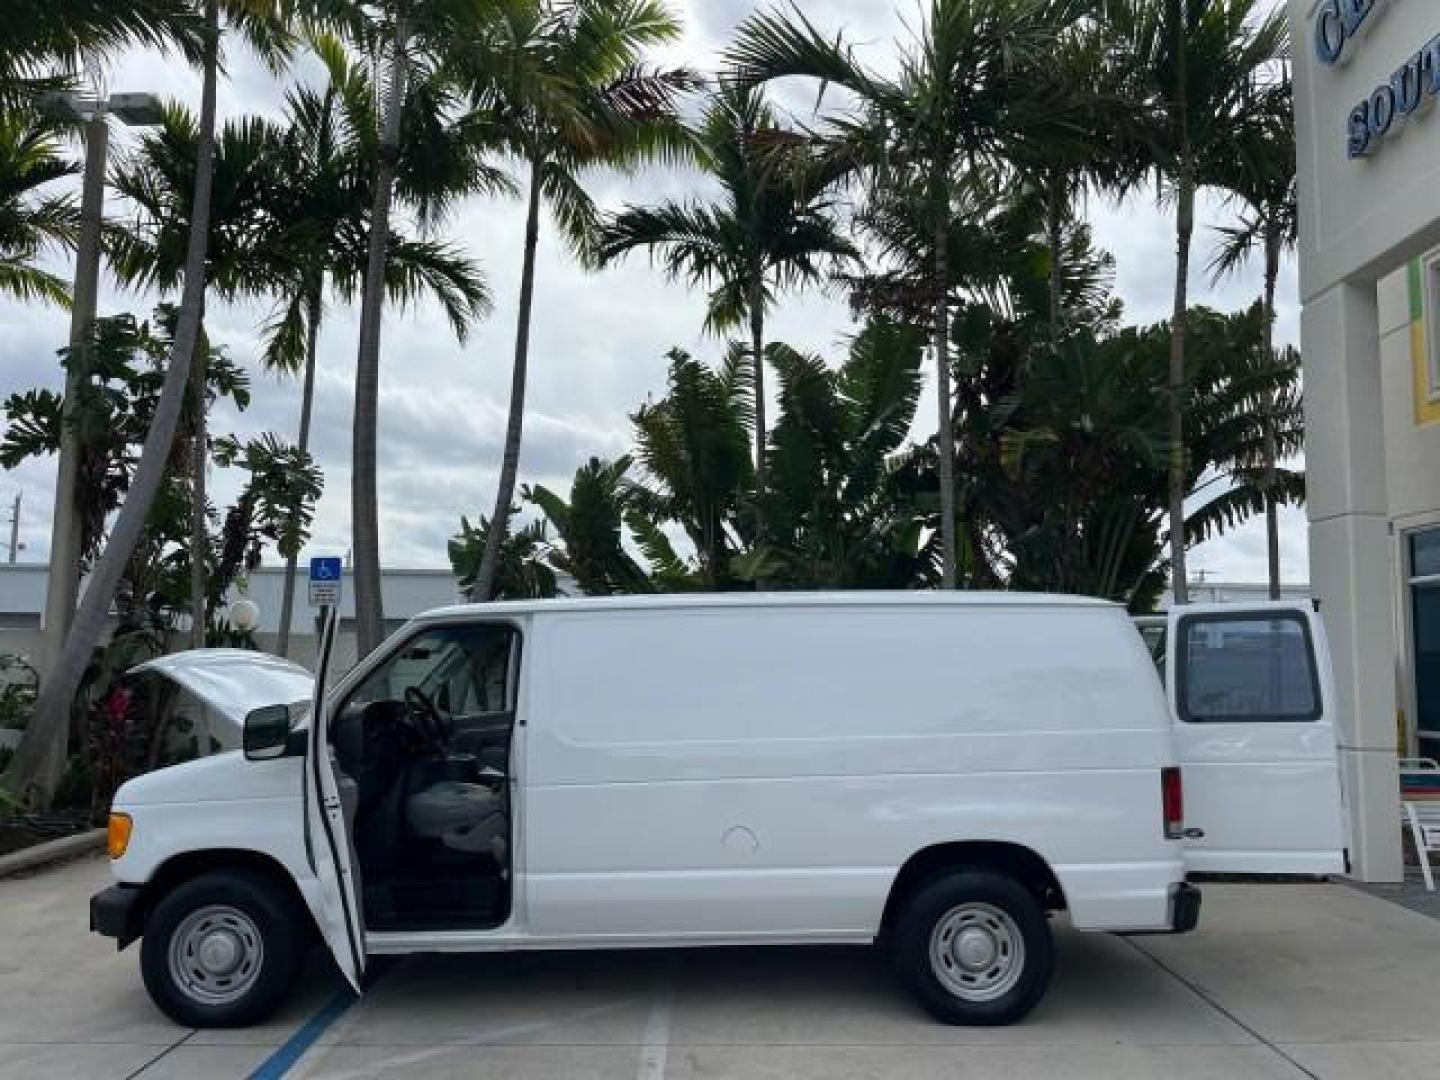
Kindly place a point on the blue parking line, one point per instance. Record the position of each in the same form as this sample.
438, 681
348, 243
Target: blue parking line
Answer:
293, 1049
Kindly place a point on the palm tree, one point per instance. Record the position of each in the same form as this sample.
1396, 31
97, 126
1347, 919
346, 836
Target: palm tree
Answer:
567, 90
158, 179
1070, 142
34, 770
954, 107
1197, 67
771, 229
1265, 182
414, 42
30, 221
321, 237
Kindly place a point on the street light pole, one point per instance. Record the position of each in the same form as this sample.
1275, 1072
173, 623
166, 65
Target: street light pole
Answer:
15, 527
63, 581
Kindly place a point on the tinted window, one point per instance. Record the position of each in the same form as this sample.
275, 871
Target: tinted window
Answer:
462, 669
1425, 554
1426, 602
1247, 669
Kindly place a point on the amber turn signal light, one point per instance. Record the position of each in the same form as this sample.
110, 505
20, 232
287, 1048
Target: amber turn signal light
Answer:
117, 837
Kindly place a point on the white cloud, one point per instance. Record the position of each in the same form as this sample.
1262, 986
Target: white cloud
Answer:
598, 347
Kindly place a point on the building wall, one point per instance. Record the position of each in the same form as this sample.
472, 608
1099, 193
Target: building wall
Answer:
1412, 412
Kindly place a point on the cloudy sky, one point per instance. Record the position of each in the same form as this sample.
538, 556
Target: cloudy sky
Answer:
598, 348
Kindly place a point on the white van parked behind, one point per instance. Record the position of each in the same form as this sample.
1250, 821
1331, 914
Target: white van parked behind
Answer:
934, 772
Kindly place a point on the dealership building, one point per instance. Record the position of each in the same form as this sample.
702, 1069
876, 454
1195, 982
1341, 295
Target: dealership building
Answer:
1367, 79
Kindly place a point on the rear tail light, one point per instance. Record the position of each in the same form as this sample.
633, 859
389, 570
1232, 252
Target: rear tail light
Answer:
1172, 802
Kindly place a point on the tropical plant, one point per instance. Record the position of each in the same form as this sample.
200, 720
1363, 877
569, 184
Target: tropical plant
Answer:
1196, 69
321, 239
32, 221
841, 515
693, 449
524, 571
965, 82
118, 374
1066, 455
590, 529
1264, 182
772, 228
566, 88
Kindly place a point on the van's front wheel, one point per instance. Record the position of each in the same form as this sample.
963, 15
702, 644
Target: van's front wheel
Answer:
222, 950
974, 948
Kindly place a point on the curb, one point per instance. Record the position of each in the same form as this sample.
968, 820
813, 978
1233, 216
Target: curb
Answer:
39, 855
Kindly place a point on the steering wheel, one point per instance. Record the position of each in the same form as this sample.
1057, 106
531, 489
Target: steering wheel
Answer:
431, 722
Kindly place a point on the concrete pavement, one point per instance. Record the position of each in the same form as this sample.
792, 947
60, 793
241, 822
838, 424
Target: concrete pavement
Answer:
1285, 982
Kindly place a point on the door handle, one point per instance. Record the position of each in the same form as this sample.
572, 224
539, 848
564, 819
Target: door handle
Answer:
1193, 834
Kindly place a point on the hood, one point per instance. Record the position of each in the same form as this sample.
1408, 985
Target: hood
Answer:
218, 778
234, 682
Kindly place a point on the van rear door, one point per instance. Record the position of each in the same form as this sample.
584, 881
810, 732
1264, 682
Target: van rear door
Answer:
1250, 691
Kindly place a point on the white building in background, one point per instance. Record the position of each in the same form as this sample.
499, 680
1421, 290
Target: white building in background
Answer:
404, 593
1367, 76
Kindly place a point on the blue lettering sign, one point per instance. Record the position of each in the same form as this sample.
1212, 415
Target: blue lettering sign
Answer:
1399, 99
1336, 24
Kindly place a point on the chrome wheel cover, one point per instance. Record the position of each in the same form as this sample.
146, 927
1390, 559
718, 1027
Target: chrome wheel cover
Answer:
977, 952
216, 954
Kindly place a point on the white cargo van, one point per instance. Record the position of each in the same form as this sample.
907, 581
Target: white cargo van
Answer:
934, 772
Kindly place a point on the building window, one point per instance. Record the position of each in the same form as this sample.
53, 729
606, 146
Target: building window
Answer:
1432, 324
1424, 566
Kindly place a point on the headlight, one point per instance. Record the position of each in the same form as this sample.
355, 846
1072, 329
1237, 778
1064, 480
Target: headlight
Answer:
117, 836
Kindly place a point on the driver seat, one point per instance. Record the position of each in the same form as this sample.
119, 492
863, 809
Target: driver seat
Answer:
465, 817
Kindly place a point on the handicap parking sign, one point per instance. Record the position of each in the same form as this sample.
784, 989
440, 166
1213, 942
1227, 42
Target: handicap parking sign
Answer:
325, 576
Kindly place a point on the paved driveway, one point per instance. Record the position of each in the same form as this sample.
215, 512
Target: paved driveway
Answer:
1286, 981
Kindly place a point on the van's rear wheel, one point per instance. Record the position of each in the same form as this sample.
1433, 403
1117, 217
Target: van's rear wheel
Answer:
974, 948
222, 950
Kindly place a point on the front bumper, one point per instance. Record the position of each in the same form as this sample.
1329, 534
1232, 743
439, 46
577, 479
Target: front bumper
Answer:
1184, 907
116, 912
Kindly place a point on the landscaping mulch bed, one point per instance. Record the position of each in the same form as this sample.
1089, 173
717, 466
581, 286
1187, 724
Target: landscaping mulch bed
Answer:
18, 831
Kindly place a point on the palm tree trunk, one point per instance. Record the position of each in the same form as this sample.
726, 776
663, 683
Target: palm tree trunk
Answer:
1272, 511
35, 770
1055, 225
199, 459
313, 310
510, 464
364, 506
945, 430
757, 345
1175, 406
1184, 232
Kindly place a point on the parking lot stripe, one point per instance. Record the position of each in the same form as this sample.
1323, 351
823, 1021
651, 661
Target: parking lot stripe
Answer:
289, 1052
293, 1049
657, 1027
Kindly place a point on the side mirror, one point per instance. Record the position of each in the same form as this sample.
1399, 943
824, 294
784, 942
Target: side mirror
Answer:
267, 730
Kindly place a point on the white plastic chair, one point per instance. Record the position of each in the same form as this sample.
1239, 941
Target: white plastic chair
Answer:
1423, 817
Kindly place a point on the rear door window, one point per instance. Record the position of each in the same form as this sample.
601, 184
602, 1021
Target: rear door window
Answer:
1247, 669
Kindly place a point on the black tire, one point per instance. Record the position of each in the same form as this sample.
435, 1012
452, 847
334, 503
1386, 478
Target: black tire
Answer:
244, 908
999, 914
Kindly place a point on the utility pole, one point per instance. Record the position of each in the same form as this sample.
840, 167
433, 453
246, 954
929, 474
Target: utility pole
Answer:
136, 110
15, 527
